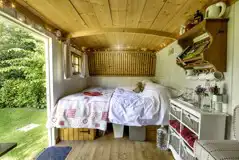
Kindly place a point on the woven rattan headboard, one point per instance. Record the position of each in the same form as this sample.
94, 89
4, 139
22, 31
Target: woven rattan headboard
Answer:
122, 63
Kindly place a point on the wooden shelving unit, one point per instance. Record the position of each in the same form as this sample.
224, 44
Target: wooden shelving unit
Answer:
214, 55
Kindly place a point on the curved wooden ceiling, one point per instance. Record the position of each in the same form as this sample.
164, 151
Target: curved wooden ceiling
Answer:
118, 23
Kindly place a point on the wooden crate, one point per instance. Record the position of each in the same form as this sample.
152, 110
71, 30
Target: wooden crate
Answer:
72, 134
151, 133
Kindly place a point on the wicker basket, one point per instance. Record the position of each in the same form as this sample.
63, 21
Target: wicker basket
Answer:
72, 134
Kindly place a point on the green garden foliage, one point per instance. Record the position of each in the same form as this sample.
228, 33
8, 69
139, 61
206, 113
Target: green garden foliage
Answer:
22, 69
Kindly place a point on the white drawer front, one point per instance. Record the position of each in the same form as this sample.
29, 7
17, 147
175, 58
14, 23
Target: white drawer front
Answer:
191, 121
176, 111
186, 153
174, 140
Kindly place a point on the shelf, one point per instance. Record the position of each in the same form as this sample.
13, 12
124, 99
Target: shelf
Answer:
190, 129
174, 152
191, 59
187, 143
175, 117
214, 52
175, 130
197, 30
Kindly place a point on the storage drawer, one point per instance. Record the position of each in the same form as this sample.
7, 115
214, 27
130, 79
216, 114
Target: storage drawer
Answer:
186, 153
67, 134
176, 111
191, 121
174, 140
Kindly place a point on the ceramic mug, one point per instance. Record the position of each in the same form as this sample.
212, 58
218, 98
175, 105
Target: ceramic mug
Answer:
214, 76
189, 72
194, 78
202, 76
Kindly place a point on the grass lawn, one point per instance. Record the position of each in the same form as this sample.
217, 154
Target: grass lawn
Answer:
30, 143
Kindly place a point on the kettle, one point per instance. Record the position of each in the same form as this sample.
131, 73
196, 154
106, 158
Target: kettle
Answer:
216, 10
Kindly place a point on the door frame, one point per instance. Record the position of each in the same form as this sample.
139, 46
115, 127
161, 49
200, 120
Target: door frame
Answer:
49, 68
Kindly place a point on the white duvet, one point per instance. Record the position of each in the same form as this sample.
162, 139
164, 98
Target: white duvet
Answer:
139, 109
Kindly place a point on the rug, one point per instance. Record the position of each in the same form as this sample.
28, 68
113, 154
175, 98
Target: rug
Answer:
54, 153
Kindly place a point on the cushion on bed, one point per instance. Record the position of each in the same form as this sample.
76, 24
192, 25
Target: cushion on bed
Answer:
139, 88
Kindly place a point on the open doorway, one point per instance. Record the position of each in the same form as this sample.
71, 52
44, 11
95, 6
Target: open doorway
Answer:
24, 86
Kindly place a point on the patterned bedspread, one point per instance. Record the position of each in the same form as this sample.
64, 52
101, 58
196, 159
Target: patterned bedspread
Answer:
82, 111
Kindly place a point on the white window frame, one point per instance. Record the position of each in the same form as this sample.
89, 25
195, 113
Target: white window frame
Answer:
49, 67
75, 51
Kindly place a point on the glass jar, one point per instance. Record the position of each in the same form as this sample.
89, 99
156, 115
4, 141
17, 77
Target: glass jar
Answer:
206, 103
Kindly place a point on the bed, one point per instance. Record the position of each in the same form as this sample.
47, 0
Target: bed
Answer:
118, 106
149, 107
82, 110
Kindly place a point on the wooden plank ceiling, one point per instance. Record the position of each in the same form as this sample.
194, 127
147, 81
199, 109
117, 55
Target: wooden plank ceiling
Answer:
131, 24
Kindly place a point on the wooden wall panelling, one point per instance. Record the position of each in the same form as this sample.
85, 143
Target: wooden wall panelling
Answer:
134, 12
85, 8
111, 38
183, 15
128, 39
151, 10
92, 18
138, 38
155, 41
103, 40
72, 134
59, 12
170, 9
122, 63
118, 11
102, 11
76, 134
146, 41
34, 16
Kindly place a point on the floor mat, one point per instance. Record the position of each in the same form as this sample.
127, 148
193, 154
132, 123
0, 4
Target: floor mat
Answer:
54, 153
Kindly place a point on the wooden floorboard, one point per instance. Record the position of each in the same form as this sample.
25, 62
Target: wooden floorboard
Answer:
108, 148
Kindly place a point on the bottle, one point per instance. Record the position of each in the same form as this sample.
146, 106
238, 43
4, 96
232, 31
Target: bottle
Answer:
162, 137
198, 17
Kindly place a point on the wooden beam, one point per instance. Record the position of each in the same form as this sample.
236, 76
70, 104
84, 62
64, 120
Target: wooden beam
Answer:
122, 30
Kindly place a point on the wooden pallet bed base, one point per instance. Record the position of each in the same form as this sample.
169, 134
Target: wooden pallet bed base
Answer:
73, 134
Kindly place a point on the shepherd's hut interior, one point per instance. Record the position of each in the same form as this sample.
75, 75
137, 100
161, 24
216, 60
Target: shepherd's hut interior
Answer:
137, 79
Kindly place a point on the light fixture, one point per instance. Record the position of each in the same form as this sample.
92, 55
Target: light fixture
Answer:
30, 25
1, 3
118, 47
13, 5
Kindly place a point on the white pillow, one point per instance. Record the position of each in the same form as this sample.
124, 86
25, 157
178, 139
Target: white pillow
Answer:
151, 85
171, 92
146, 81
